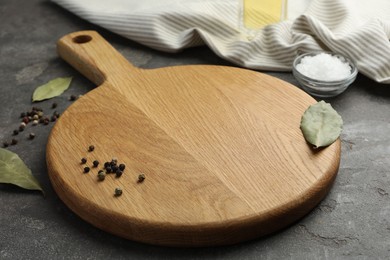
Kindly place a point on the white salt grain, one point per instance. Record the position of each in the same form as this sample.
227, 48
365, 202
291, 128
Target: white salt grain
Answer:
325, 67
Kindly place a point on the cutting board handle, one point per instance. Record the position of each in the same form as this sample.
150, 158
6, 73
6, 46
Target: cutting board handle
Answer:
89, 53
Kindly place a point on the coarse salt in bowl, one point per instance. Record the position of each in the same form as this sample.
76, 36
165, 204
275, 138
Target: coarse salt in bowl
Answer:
324, 74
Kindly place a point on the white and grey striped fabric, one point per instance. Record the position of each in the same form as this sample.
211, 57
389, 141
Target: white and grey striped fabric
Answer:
358, 29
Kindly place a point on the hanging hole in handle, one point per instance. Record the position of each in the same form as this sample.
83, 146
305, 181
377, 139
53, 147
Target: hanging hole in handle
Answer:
80, 39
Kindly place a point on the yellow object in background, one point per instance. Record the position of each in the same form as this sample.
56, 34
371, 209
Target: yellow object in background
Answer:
259, 13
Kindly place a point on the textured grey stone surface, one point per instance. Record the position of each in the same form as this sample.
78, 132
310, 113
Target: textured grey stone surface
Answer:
353, 222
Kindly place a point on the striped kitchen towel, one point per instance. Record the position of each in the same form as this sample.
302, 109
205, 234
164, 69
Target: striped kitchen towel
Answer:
256, 34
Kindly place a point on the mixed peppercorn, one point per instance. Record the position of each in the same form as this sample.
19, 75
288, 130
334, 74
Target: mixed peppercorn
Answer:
32, 117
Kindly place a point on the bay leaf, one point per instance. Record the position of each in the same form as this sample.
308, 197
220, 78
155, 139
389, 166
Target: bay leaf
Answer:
51, 89
321, 125
14, 171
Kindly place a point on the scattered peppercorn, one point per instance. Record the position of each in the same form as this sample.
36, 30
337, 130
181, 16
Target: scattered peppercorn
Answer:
56, 114
21, 128
91, 148
118, 192
118, 173
101, 175
95, 163
106, 164
114, 168
72, 98
108, 170
83, 160
141, 177
122, 167
35, 116
86, 169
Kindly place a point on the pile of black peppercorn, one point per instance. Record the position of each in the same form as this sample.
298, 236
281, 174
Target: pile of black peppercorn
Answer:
114, 168
109, 167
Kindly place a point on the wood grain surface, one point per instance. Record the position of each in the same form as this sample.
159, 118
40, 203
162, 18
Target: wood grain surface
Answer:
221, 149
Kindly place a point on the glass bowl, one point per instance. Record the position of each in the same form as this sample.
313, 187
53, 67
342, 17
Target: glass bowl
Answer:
323, 88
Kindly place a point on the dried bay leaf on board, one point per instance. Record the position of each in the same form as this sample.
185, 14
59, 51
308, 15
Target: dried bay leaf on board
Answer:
51, 89
14, 171
321, 125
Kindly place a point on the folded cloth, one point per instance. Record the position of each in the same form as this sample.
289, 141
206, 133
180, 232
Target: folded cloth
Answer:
358, 29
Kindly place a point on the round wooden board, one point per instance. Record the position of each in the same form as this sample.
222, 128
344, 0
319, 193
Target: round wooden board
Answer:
221, 149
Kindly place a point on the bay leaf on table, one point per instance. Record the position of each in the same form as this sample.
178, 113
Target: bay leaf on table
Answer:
321, 125
14, 171
51, 89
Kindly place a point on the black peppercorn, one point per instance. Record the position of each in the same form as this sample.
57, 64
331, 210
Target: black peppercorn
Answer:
14, 141
118, 192
22, 115
101, 175
16, 132
141, 177
53, 118
106, 164
91, 148
118, 173
83, 160
114, 161
122, 167
5, 144
31, 136
72, 98
114, 168
46, 121
108, 169
54, 105
56, 114
95, 163
86, 169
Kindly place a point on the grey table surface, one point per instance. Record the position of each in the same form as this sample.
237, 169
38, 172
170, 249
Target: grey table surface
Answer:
352, 222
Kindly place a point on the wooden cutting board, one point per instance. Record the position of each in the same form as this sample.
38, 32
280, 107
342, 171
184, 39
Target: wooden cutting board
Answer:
221, 149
